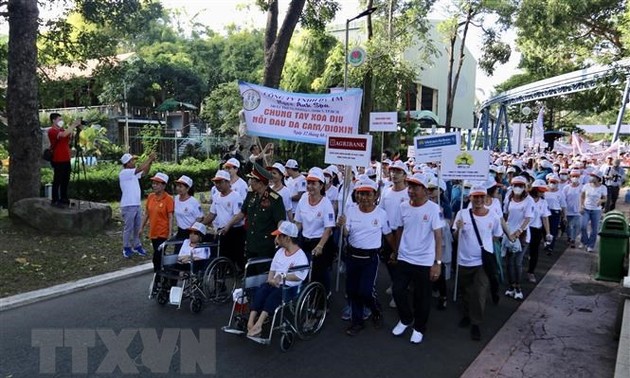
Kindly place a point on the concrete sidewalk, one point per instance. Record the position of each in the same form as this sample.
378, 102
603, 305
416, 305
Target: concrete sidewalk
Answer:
565, 328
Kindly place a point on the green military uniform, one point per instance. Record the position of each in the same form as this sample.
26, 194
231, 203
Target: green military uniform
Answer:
263, 213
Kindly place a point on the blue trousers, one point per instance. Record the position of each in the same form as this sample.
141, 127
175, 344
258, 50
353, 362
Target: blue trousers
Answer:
554, 225
132, 219
360, 281
267, 298
592, 217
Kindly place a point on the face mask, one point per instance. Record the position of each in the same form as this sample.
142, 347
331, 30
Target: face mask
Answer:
493, 175
60, 123
553, 186
466, 192
592, 180
575, 180
556, 169
563, 177
518, 190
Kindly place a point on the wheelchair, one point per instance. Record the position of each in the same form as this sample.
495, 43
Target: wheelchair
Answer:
202, 281
303, 315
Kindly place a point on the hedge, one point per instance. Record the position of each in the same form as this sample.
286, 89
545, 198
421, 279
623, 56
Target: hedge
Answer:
100, 183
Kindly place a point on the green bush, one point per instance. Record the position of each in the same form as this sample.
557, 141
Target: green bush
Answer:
100, 183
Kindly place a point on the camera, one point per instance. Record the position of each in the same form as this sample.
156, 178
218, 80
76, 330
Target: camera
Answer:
84, 123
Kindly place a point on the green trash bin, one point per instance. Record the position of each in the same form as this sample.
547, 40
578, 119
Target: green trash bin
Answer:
613, 246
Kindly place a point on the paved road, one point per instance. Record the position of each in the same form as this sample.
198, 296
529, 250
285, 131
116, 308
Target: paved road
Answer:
446, 350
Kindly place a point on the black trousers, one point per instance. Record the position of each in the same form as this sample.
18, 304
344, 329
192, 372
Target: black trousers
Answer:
611, 198
61, 180
232, 246
157, 256
534, 245
418, 277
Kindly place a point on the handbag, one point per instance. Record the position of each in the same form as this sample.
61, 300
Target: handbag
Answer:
488, 261
47, 154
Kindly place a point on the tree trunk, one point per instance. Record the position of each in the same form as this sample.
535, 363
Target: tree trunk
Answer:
449, 84
25, 141
368, 97
276, 46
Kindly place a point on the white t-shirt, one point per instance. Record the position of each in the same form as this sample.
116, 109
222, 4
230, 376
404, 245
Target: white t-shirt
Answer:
187, 212
332, 193
555, 200
365, 230
541, 209
197, 253
517, 212
489, 225
225, 207
593, 195
130, 187
240, 187
494, 207
417, 244
572, 196
281, 263
390, 202
296, 185
285, 193
316, 218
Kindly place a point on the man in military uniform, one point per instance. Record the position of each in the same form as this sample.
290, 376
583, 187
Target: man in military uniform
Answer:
263, 210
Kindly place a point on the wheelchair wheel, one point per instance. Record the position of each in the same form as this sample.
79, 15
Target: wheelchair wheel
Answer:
196, 305
219, 280
286, 340
162, 297
310, 310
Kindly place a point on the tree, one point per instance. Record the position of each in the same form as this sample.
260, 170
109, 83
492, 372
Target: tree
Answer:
312, 13
304, 61
463, 15
24, 132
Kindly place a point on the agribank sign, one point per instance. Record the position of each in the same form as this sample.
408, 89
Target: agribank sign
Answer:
300, 117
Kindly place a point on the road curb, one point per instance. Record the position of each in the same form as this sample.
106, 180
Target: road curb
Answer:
24, 299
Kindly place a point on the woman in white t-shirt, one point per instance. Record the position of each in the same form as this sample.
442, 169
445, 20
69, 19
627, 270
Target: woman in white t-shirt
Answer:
277, 185
269, 295
364, 225
538, 227
519, 208
315, 217
593, 198
187, 208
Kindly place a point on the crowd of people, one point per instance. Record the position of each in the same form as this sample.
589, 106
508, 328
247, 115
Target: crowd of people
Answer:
395, 213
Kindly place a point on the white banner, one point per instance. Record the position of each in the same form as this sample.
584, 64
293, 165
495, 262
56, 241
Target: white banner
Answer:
300, 117
384, 121
429, 148
352, 150
466, 165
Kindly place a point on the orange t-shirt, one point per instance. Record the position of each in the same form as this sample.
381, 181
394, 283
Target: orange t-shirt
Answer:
158, 209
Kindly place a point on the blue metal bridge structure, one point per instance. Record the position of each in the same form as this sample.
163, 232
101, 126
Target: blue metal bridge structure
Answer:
496, 133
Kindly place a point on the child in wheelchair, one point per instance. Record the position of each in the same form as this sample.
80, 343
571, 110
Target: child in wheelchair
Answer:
269, 295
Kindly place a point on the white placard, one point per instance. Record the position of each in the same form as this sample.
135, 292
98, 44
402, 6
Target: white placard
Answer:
384, 121
352, 150
300, 117
429, 148
411, 152
466, 165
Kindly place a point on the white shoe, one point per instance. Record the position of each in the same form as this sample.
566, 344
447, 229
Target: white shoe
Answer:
389, 291
399, 329
518, 294
509, 292
416, 337
589, 249
392, 303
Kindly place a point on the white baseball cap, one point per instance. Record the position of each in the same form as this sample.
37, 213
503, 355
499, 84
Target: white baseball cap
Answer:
126, 158
292, 164
316, 174
366, 185
398, 164
286, 228
160, 177
232, 162
221, 175
199, 227
185, 180
417, 178
478, 189
280, 168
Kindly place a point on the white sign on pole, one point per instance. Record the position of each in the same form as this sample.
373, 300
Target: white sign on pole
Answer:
352, 150
429, 148
466, 165
411, 151
384, 121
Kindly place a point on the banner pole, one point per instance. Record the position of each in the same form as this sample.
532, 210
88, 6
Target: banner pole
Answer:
461, 207
346, 183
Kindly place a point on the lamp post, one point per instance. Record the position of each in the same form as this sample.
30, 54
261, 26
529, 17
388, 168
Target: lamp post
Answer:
345, 70
208, 133
178, 134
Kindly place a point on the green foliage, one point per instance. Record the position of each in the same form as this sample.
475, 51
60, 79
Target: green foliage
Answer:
304, 61
150, 135
220, 109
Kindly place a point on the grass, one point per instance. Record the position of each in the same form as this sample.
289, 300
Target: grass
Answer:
31, 259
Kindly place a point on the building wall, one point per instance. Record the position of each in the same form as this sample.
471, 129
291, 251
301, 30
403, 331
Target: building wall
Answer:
432, 74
